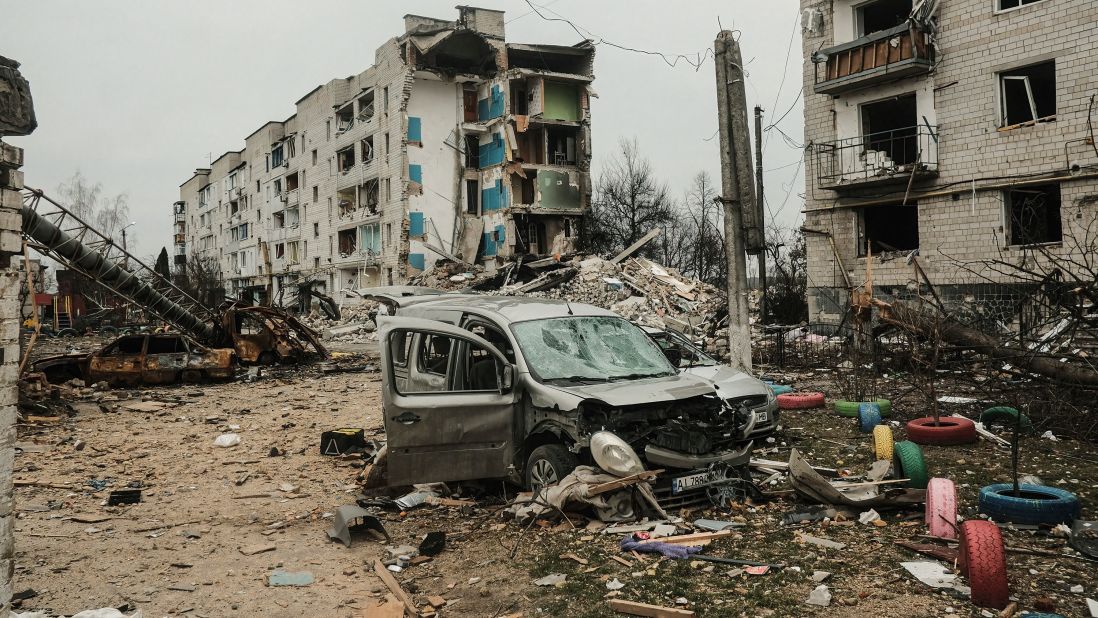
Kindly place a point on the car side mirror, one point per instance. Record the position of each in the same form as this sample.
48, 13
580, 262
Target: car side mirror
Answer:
506, 378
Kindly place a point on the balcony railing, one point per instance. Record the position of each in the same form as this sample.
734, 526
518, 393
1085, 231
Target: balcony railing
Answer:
878, 158
889, 54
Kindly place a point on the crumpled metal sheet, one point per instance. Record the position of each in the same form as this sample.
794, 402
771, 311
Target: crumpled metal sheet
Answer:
808, 483
341, 523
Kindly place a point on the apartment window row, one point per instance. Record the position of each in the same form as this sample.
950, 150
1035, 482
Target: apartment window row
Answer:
1031, 216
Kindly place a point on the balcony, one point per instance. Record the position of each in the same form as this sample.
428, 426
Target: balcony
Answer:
886, 55
894, 156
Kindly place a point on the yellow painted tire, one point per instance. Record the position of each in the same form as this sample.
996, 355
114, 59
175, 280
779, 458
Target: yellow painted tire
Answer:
882, 442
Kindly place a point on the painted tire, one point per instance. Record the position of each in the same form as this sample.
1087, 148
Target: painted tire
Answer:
941, 508
869, 416
1005, 416
850, 408
800, 401
982, 558
908, 463
1039, 504
882, 442
949, 430
780, 389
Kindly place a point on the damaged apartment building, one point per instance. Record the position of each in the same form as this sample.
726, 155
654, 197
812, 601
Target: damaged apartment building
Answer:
454, 145
959, 129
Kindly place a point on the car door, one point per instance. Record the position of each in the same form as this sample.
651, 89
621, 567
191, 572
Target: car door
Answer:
119, 362
450, 429
165, 358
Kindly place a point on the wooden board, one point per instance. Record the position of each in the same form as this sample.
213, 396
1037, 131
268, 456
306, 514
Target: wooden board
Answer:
698, 538
394, 587
643, 609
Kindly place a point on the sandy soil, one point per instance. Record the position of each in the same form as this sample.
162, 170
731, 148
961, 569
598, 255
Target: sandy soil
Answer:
179, 552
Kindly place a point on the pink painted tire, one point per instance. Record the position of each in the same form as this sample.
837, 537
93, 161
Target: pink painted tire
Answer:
941, 508
800, 401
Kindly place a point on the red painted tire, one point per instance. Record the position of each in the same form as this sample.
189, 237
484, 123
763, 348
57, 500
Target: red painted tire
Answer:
982, 559
800, 401
941, 508
949, 430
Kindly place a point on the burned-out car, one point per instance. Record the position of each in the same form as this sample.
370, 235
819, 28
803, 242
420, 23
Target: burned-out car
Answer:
690, 358
526, 389
142, 359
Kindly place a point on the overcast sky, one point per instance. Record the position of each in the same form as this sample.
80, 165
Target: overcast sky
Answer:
137, 93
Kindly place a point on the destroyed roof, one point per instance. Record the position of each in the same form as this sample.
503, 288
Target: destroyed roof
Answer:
518, 308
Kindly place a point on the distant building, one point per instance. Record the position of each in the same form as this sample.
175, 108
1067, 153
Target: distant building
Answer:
962, 134
454, 144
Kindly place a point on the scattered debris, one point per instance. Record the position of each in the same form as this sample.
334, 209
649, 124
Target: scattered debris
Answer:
124, 496
935, 575
820, 595
553, 579
815, 540
287, 578
643, 609
432, 544
227, 440
343, 526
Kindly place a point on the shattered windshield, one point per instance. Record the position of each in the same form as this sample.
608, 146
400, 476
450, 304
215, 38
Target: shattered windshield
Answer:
589, 348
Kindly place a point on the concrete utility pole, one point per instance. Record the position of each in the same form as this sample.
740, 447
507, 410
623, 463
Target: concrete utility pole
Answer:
738, 191
759, 199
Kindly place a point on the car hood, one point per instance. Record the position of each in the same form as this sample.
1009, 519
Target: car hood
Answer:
730, 382
647, 390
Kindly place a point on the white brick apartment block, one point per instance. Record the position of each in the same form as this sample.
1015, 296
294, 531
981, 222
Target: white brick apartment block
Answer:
454, 144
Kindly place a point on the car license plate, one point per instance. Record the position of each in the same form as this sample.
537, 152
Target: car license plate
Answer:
686, 483
761, 416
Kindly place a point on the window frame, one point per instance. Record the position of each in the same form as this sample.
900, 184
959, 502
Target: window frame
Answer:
996, 6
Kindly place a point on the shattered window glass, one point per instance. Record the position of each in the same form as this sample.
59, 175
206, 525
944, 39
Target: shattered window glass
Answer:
589, 348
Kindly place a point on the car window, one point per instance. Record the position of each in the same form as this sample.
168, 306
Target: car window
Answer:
125, 345
437, 370
589, 348
493, 336
165, 345
399, 342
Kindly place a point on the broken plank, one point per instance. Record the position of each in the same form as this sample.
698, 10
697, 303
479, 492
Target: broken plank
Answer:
622, 561
625, 481
436, 501
631, 249
19, 483
163, 526
644, 609
256, 549
697, 538
391, 583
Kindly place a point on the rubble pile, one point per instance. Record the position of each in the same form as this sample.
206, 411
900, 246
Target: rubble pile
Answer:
357, 323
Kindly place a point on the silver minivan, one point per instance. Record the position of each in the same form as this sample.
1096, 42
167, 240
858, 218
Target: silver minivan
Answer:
525, 389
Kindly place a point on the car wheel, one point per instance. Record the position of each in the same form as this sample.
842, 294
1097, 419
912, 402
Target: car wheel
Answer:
547, 465
192, 376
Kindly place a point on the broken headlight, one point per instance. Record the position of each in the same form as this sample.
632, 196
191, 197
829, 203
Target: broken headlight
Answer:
614, 455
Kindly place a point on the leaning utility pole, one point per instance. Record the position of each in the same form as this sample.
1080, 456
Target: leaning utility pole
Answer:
742, 227
759, 198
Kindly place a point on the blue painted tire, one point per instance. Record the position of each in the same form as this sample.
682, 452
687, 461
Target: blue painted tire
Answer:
780, 389
1039, 504
869, 416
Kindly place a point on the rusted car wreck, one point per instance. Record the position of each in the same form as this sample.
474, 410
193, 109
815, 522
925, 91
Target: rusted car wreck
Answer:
142, 359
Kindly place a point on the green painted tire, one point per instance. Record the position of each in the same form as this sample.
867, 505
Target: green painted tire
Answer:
850, 408
1005, 416
907, 461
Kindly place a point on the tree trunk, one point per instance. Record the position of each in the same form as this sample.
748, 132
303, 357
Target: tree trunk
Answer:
900, 314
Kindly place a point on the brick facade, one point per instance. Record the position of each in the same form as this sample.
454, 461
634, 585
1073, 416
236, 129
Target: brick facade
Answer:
962, 212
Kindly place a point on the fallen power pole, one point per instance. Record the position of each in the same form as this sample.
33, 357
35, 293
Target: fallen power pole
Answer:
742, 223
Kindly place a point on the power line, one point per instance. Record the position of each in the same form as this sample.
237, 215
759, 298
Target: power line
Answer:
785, 68
695, 60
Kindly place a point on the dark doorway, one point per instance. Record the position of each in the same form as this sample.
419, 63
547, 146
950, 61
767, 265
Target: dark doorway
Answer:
890, 128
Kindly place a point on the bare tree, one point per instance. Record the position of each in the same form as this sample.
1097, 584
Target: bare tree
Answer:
787, 269
87, 201
629, 202
706, 238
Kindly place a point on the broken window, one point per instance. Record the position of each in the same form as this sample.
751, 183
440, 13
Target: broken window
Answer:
347, 201
893, 227
345, 159
519, 105
1028, 94
531, 146
369, 195
166, 345
345, 118
368, 150
347, 242
588, 348
291, 250
234, 207
277, 156
523, 188
370, 238
472, 197
472, 152
280, 251
881, 15
469, 104
890, 132
316, 230
125, 345
366, 106
1034, 214
1013, 4
291, 147
279, 219
444, 364
291, 182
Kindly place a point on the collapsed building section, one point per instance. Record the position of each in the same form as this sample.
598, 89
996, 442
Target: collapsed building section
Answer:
454, 146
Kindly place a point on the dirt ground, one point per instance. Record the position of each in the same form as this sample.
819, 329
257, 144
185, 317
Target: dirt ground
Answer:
182, 550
